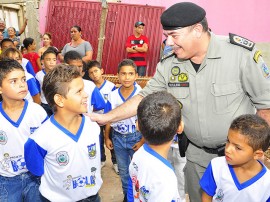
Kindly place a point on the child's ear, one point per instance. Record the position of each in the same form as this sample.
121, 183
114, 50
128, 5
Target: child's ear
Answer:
59, 100
180, 128
102, 71
258, 154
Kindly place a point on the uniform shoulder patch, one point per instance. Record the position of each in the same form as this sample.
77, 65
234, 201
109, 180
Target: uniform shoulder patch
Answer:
241, 41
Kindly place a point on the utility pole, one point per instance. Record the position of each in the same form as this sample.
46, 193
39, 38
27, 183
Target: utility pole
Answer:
101, 37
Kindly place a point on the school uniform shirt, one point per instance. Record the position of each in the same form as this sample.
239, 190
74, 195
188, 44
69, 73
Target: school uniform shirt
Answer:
39, 77
152, 178
220, 181
13, 135
105, 89
115, 99
26, 64
95, 99
69, 164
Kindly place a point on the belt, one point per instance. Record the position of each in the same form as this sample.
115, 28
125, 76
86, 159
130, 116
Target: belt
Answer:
217, 150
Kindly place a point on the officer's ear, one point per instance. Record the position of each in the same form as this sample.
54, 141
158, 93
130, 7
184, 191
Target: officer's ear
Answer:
198, 30
180, 128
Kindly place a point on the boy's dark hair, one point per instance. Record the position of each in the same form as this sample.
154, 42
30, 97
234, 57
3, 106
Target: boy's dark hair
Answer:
57, 81
27, 42
93, 63
5, 40
72, 55
127, 62
255, 129
6, 66
159, 116
48, 51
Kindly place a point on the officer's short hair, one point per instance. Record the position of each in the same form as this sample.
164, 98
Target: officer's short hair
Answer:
159, 116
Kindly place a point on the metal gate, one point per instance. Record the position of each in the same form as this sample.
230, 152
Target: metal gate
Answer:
62, 15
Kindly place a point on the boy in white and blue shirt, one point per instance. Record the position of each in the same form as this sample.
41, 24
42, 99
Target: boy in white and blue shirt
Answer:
240, 175
152, 177
125, 137
19, 119
95, 72
65, 150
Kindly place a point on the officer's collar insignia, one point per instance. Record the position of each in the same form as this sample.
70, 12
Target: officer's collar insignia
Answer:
183, 77
265, 70
241, 41
175, 71
257, 55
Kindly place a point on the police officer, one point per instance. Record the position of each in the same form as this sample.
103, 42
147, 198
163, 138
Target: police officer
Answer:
216, 78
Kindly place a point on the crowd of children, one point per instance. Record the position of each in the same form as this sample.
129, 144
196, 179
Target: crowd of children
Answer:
59, 151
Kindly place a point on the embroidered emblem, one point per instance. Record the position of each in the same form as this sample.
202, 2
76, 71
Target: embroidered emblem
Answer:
266, 72
172, 78
183, 77
3, 137
241, 41
62, 158
186, 84
256, 56
175, 71
92, 151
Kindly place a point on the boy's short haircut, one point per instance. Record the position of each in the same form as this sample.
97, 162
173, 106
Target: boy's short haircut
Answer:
127, 62
57, 81
8, 51
255, 128
49, 51
6, 66
27, 42
159, 116
5, 40
72, 55
93, 63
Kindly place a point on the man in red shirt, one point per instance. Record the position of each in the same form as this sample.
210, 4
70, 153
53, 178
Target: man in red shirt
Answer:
137, 46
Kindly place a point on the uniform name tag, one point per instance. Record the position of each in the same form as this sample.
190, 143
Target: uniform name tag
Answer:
186, 84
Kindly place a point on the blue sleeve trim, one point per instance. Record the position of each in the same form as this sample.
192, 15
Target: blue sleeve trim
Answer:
207, 181
108, 107
97, 100
130, 197
32, 86
30, 69
34, 157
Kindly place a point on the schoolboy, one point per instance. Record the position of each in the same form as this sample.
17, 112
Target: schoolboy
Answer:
125, 138
95, 99
64, 150
152, 177
49, 62
18, 120
240, 175
26, 64
105, 87
33, 90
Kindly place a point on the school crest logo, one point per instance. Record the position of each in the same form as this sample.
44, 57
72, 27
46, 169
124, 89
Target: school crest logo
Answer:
3, 137
220, 195
62, 158
92, 151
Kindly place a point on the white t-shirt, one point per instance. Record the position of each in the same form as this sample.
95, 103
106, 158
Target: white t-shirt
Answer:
152, 177
220, 181
13, 135
69, 164
115, 99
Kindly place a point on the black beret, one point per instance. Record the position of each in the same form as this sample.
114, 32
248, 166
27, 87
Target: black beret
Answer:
182, 15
